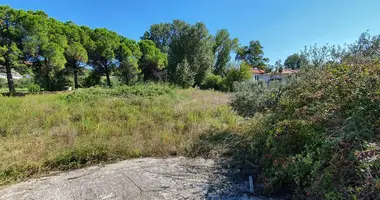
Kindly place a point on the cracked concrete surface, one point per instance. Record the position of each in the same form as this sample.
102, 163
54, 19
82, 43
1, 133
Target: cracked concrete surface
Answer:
145, 178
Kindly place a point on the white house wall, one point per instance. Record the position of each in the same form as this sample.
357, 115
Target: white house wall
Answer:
267, 77
4, 76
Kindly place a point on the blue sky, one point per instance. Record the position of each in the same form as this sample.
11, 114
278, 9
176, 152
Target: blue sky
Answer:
283, 27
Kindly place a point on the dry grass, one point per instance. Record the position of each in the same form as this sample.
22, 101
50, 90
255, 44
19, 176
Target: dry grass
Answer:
40, 133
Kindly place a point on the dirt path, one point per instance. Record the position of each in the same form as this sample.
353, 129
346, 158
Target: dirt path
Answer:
146, 178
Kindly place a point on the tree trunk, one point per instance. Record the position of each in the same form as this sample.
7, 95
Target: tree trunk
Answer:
76, 85
48, 83
108, 78
11, 85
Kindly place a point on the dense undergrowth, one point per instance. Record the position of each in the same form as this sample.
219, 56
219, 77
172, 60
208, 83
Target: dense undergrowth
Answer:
317, 135
41, 133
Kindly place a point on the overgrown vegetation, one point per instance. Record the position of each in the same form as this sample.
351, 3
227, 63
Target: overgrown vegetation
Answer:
40, 133
57, 55
316, 135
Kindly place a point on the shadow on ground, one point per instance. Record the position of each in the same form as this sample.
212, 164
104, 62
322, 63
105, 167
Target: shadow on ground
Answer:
233, 156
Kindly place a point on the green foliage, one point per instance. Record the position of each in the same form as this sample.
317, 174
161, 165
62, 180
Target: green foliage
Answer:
160, 34
316, 135
222, 50
177, 52
12, 33
34, 88
92, 78
23, 82
102, 125
213, 81
255, 96
296, 61
193, 43
318, 56
145, 90
240, 74
3, 83
77, 57
253, 55
152, 60
114, 80
103, 53
184, 77
128, 55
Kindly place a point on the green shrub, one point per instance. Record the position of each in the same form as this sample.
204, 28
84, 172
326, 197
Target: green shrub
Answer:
183, 75
319, 139
213, 81
144, 90
34, 88
23, 82
243, 73
255, 96
3, 83
115, 82
91, 79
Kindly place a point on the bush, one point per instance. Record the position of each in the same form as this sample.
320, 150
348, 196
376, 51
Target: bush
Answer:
318, 137
92, 78
255, 96
240, 74
23, 82
115, 82
144, 90
3, 83
183, 75
213, 81
34, 88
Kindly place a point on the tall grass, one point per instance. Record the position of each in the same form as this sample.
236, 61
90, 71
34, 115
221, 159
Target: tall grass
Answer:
40, 133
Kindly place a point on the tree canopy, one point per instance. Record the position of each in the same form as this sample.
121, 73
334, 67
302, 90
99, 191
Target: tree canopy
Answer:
222, 49
253, 54
58, 54
295, 61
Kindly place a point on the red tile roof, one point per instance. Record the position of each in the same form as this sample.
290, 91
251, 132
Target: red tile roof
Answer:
258, 71
289, 71
28, 63
284, 72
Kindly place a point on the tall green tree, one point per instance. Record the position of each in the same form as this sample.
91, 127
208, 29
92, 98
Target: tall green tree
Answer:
128, 57
279, 67
183, 41
76, 53
45, 48
11, 37
152, 60
295, 61
222, 49
161, 35
193, 43
77, 57
102, 54
253, 55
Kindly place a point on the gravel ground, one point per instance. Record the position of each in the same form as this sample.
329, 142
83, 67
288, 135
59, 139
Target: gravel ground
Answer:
145, 178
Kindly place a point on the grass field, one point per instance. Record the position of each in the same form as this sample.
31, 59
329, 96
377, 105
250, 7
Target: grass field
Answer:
41, 133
